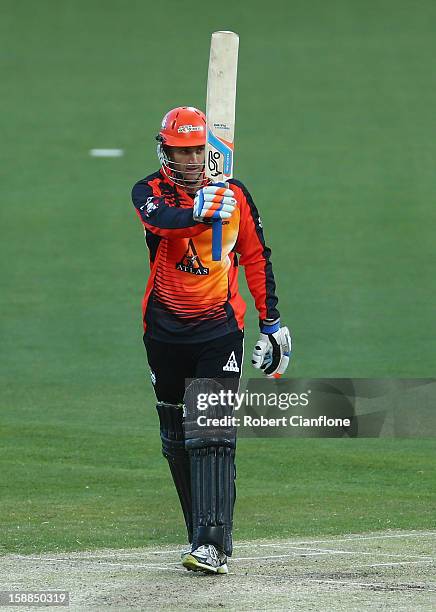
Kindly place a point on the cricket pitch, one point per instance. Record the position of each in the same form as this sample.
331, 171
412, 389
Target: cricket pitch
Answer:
391, 570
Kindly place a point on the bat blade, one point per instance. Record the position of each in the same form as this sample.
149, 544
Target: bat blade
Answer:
220, 116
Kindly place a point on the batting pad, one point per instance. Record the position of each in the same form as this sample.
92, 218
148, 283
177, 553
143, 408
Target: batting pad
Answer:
211, 449
173, 448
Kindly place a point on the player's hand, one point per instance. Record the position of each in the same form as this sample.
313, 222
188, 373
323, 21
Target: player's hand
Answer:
273, 349
212, 203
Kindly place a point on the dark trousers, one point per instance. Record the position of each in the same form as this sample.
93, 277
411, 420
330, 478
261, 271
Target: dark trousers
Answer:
171, 363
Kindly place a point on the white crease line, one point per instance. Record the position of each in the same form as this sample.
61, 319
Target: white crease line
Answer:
97, 563
291, 544
311, 553
352, 538
302, 548
285, 555
314, 554
358, 552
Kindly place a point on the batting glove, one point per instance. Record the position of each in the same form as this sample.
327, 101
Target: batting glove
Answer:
212, 203
273, 349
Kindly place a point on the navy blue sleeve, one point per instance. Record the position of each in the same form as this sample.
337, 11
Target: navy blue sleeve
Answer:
154, 212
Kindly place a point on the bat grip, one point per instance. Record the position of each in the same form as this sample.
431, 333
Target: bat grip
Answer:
217, 240
217, 234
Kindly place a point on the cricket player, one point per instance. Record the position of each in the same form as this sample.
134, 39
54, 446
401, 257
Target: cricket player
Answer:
193, 317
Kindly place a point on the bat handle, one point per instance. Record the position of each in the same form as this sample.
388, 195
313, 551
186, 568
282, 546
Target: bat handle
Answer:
217, 234
217, 240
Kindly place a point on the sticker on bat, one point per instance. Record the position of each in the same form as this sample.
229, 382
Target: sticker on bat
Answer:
225, 150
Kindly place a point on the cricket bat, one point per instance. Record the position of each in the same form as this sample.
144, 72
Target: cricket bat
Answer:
220, 117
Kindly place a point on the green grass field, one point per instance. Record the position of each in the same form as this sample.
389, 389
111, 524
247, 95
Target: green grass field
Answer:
335, 140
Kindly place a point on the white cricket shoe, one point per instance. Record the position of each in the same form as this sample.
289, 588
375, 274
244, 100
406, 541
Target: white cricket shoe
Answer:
206, 559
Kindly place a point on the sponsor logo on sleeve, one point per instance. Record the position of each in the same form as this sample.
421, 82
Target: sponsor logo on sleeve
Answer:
149, 206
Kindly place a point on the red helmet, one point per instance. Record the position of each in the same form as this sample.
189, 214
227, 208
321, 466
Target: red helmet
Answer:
184, 126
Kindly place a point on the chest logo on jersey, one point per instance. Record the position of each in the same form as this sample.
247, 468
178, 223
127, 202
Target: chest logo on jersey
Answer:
191, 262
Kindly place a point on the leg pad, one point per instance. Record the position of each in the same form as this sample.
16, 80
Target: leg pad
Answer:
173, 448
213, 496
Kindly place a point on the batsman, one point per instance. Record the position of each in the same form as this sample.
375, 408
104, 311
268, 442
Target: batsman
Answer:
193, 317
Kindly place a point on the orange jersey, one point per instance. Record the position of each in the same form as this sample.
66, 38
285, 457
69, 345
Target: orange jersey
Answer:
189, 297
